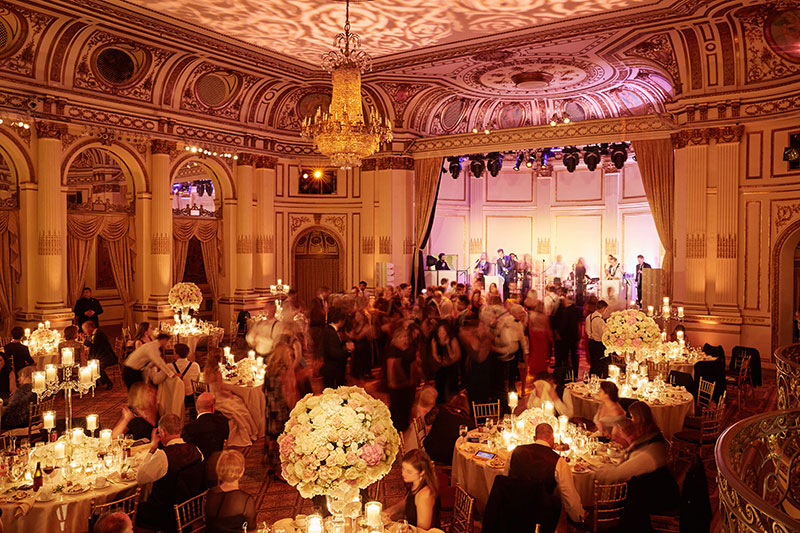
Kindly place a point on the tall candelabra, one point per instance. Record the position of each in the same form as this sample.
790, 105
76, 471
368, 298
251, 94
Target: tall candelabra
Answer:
280, 290
68, 377
668, 314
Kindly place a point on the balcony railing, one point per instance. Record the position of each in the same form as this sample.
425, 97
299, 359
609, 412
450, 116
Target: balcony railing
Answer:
787, 367
758, 473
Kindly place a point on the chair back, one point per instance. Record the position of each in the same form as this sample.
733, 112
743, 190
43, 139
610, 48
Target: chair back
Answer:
190, 516
486, 410
419, 430
711, 423
374, 491
463, 512
743, 367
233, 332
128, 505
609, 504
705, 391
657, 369
199, 387
36, 413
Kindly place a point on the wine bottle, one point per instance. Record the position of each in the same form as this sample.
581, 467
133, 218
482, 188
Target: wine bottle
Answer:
38, 477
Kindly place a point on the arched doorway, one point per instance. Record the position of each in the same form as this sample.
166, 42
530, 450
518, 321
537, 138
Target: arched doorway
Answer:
317, 263
785, 279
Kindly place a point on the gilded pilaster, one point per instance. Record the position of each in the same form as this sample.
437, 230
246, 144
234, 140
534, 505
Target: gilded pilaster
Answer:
244, 225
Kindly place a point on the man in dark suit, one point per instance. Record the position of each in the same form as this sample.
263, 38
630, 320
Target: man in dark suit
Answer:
18, 351
504, 264
566, 320
538, 464
87, 308
639, 267
334, 351
100, 349
209, 430
318, 319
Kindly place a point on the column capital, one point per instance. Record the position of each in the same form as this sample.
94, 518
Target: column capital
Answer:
729, 134
246, 159
692, 137
163, 146
265, 161
50, 130
395, 163
368, 164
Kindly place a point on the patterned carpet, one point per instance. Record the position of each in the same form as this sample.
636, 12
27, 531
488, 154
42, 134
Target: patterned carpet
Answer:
275, 499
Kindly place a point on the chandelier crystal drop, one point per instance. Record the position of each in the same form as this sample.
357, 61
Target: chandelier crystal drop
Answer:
342, 133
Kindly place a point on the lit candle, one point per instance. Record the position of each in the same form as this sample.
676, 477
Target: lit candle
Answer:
666, 300
51, 374
91, 422
86, 375
251, 355
272, 288
177, 318
260, 361
27, 332
665, 311
613, 372
548, 408
94, 364
663, 336
372, 510
77, 435
58, 448
650, 310
41, 325
47, 324
49, 420
682, 343
105, 437
38, 382
679, 335
67, 356
280, 282
562, 423
680, 312
227, 351
314, 524
513, 400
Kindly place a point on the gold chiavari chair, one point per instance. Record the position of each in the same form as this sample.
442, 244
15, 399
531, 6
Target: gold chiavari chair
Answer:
609, 504
740, 377
190, 516
419, 430
486, 410
128, 505
463, 512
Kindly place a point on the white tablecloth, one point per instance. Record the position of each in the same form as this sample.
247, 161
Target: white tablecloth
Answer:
288, 525
669, 417
253, 397
687, 367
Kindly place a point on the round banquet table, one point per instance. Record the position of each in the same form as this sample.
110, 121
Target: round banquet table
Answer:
476, 476
253, 397
42, 359
669, 416
687, 367
288, 525
193, 341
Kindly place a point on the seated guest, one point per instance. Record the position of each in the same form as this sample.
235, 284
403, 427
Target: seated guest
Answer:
209, 430
241, 322
544, 390
144, 334
17, 413
18, 351
149, 353
243, 429
113, 522
8, 379
175, 469
539, 464
647, 451
100, 349
445, 420
228, 508
187, 370
421, 504
140, 415
610, 411
71, 341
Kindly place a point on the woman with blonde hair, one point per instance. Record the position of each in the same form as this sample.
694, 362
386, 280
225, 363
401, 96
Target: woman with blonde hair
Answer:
228, 508
140, 416
421, 504
280, 388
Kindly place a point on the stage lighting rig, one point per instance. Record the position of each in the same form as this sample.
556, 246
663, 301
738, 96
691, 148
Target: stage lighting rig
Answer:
477, 165
591, 156
494, 163
520, 158
571, 158
454, 166
619, 154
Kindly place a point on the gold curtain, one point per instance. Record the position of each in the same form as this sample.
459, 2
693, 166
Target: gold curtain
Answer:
9, 265
426, 187
656, 164
117, 231
209, 233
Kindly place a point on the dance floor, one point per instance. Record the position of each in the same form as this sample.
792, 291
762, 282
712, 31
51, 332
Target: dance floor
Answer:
275, 499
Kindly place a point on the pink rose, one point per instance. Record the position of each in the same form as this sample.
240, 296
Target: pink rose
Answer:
351, 457
637, 342
620, 341
336, 421
372, 454
287, 445
322, 453
345, 436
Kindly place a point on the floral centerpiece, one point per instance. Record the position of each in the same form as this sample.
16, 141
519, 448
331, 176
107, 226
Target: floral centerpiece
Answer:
337, 443
43, 340
184, 296
630, 331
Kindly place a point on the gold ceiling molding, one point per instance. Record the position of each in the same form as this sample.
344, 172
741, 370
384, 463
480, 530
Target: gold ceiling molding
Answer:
589, 131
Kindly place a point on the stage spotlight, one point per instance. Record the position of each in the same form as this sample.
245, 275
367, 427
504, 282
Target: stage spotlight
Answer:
305, 175
317, 174
531, 159
494, 163
454, 166
546, 154
591, 156
477, 165
520, 158
554, 120
619, 154
474, 130
571, 158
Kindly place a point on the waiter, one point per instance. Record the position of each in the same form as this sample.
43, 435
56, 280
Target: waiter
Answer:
87, 308
641, 265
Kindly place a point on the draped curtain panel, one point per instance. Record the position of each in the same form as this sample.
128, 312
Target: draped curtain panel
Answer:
427, 174
117, 231
9, 265
209, 233
656, 164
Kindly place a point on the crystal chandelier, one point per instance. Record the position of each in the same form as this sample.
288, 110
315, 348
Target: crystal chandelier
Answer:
341, 133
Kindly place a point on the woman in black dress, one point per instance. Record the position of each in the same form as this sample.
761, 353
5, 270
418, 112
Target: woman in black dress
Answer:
421, 505
227, 507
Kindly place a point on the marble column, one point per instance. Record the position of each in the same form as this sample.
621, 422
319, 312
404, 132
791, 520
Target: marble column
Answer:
161, 226
366, 248
51, 224
727, 164
244, 225
264, 192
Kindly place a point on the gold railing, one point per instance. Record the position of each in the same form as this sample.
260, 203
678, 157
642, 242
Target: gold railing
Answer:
787, 368
758, 473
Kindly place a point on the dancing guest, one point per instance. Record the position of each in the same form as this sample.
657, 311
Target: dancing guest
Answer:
187, 370
580, 281
540, 339
567, 318
18, 352
100, 349
610, 411
446, 353
87, 308
228, 508
149, 353
318, 319
334, 350
595, 327
422, 504
401, 370
71, 341
140, 416
280, 387
264, 332
476, 346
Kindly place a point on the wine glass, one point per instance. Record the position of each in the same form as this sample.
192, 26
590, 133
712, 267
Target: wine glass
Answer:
462, 431
403, 527
489, 423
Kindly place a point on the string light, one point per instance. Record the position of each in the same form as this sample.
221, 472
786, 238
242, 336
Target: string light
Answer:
205, 151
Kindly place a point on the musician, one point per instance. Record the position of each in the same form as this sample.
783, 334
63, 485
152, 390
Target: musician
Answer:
640, 265
482, 267
441, 264
580, 281
613, 268
558, 270
504, 266
524, 269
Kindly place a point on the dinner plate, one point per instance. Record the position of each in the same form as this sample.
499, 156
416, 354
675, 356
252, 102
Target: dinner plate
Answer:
44, 497
497, 463
76, 489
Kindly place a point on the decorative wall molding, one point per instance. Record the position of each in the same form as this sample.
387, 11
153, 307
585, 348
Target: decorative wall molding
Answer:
244, 244
696, 246
611, 247
265, 161
727, 246
385, 245
296, 222
395, 163
476, 245
50, 130
368, 245
100, 205
783, 213
195, 211
159, 244
692, 137
543, 246
50, 243
246, 159
408, 246
163, 146
729, 134
265, 244
368, 165
339, 222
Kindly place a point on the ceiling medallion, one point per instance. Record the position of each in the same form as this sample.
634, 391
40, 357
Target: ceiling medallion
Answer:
341, 133
532, 80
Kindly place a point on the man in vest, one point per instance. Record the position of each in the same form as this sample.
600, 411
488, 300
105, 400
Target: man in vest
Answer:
595, 327
537, 463
175, 468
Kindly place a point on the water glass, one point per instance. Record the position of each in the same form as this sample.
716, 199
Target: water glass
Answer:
462, 431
